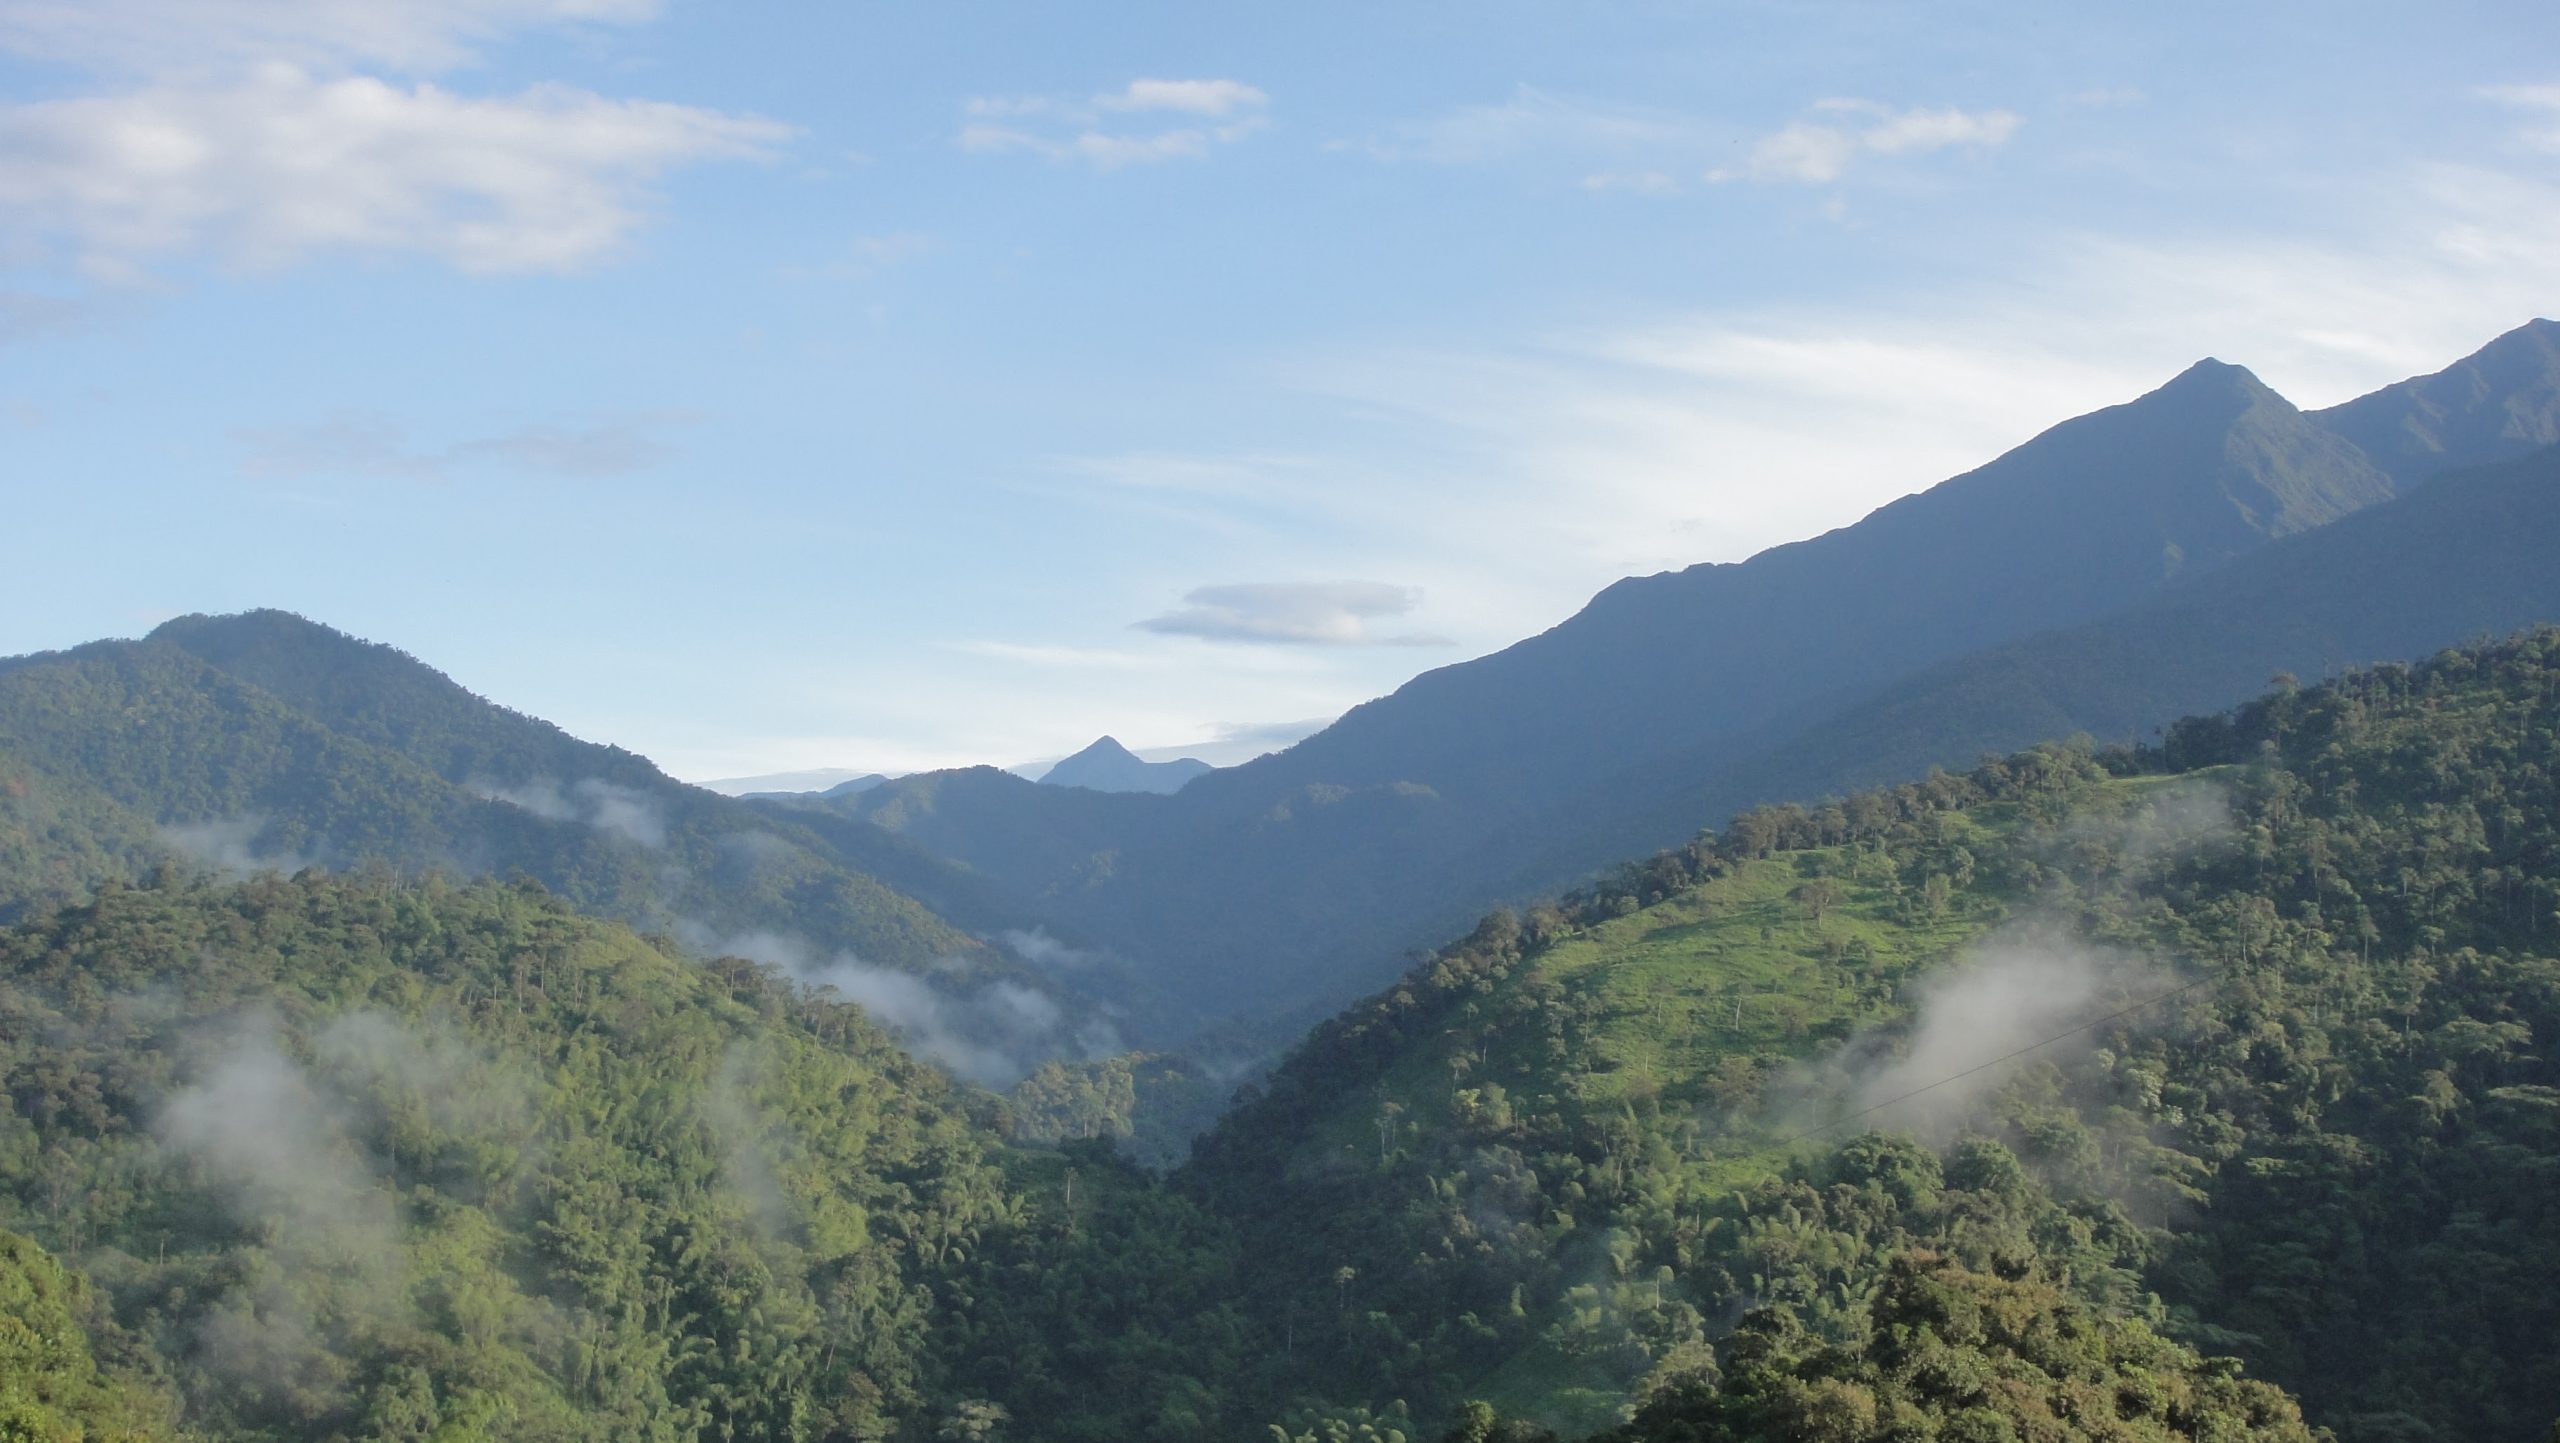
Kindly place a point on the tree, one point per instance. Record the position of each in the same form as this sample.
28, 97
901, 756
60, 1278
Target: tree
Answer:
973, 1420
1817, 896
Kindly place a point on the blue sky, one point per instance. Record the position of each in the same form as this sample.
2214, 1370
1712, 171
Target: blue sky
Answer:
772, 387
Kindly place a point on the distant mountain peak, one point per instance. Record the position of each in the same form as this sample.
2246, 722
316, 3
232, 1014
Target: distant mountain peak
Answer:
2211, 366
2495, 404
1107, 766
2215, 380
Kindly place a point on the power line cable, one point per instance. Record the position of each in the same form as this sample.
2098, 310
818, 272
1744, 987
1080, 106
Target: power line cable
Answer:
1995, 1062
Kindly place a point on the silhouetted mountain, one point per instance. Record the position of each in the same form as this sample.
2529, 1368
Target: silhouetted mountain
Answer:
2496, 404
846, 788
2087, 517
1107, 766
2471, 554
1296, 879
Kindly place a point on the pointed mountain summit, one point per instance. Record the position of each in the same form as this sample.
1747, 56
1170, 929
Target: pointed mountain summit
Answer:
1107, 766
2092, 515
2498, 403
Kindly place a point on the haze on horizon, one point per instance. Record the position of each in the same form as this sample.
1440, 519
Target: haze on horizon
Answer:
793, 389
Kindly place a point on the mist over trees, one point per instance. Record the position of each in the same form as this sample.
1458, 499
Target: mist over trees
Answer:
2091, 1092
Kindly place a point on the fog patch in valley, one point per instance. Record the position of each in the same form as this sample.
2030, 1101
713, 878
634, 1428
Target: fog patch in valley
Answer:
993, 1035
2189, 815
280, 1142
1036, 947
230, 847
2028, 994
280, 1155
2031, 992
748, 1166
620, 811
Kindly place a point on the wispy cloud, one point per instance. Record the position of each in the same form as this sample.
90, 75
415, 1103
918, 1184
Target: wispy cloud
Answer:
1068, 658
410, 36
1539, 124
286, 164
24, 314
1306, 613
1191, 97
1653, 442
376, 448
1817, 152
1645, 150
246, 132
1633, 182
2539, 102
624, 812
1232, 743
1142, 123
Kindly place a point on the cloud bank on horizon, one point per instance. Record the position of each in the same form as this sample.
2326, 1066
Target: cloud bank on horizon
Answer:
1167, 375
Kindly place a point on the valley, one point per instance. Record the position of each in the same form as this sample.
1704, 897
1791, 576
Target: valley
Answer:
1867, 991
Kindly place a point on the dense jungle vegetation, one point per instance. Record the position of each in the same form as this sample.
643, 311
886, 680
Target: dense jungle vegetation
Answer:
1559, 1160
364, 1158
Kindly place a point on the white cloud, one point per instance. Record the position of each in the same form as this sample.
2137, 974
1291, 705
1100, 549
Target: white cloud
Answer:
1803, 151
1195, 97
1069, 658
1657, 442
1534, 123
1918, 132
289, 165
1107, 133
1632, 182
1817, 152
621, 811
1309, 613
1235, 743
190, 36
372, 447
245, 131
2542, 102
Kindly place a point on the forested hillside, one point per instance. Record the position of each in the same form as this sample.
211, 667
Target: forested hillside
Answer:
53, 1384
2089, 1093
2315, 1130
361, 1159
265, 742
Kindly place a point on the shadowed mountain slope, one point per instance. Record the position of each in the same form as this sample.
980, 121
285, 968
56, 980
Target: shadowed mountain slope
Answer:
2498, 403
1289, 881
2088, 517
2473, 554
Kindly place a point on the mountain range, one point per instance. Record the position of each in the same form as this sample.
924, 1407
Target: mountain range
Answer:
265, 742
2156, 558
2198, 1090
2068, 956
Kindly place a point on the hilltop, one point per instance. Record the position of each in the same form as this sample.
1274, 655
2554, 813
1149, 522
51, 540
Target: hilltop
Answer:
266, 742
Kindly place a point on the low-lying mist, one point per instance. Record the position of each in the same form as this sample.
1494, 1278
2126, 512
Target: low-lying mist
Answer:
993, 1034
2030, 992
